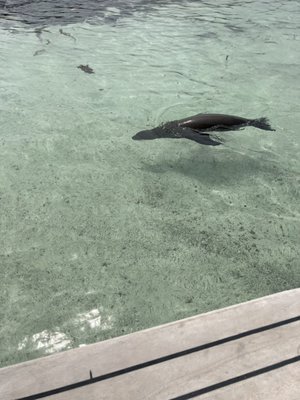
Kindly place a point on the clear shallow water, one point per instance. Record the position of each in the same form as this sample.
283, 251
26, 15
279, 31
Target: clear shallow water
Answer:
101, 235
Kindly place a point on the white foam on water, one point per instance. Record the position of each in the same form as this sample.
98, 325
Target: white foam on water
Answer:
49, 342
93, 320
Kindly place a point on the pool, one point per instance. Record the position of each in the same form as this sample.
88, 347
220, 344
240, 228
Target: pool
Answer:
101, 235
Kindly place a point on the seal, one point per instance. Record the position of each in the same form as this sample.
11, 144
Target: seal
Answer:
198, 128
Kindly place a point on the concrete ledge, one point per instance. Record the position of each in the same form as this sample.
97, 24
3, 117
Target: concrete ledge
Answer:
247, 351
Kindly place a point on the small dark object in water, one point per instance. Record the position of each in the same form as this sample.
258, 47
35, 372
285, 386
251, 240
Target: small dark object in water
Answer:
198, 127
86, 68
62, 32
39, 52
39, 31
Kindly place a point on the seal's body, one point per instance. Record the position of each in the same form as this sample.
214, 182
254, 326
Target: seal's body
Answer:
198, 127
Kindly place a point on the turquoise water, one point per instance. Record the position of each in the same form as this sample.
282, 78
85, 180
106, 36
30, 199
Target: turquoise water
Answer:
101, 235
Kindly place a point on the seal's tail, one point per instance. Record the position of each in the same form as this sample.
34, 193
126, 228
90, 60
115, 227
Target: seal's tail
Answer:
261, 123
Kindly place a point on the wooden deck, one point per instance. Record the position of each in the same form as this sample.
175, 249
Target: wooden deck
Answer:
247, 351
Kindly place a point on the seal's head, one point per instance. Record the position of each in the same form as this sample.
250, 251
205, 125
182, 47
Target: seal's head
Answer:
147, 135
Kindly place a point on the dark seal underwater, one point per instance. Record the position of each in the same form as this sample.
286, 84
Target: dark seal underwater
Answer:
198, 128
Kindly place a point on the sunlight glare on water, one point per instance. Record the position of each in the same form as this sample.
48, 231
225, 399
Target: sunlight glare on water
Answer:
101, 235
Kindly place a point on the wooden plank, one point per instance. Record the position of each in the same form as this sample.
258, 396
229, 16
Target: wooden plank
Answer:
180, 374
281, 384
199, 370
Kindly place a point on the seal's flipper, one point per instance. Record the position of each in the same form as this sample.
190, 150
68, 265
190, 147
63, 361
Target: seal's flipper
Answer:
202, 138
221, 128
261, 123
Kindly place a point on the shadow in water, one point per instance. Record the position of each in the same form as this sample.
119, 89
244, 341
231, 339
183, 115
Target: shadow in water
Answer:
217, 166
52, 12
